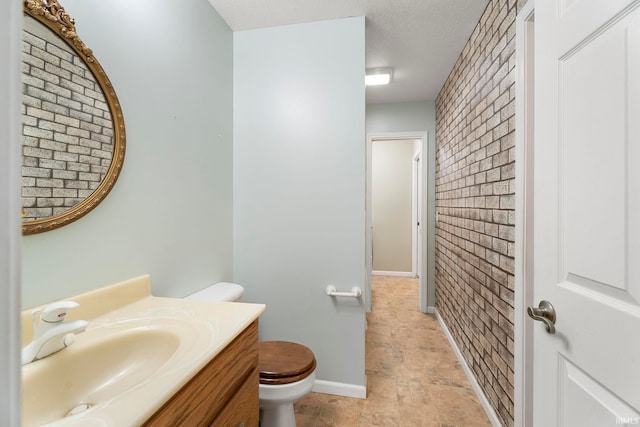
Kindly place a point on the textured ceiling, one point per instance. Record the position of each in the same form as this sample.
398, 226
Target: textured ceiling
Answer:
419, 39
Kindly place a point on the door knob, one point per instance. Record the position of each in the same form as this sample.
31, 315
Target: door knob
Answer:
544, 313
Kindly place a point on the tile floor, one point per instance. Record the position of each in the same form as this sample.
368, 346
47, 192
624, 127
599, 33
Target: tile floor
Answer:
413, 376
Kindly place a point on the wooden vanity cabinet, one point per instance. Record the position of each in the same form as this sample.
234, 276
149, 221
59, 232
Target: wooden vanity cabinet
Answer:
223, 394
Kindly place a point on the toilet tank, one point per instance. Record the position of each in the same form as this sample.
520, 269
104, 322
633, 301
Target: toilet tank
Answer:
221, 291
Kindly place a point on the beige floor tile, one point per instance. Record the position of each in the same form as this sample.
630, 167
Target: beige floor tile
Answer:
413, 375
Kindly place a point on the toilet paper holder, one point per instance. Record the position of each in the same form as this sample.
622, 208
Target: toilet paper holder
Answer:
356, 292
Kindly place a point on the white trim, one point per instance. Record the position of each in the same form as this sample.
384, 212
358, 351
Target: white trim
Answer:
368, 225
431, 310
340, 389
523, 295
393, 273
427, 256
10, 221
488, 409
416, 211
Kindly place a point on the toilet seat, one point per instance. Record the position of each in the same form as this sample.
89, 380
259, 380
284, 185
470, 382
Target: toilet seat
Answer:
284, 362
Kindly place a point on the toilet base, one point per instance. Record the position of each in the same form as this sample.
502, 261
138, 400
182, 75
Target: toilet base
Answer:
281, 415
276, 402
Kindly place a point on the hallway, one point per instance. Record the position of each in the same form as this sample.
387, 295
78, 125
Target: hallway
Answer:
413, 375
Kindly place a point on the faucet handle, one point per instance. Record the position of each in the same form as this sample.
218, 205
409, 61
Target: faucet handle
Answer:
33, 317
56, 312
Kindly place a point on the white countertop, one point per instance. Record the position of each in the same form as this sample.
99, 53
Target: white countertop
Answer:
204, 328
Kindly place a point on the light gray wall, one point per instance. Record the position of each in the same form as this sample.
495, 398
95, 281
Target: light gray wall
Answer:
391, 204
170, 213
299, 151
10, 99
409, 117
402, 117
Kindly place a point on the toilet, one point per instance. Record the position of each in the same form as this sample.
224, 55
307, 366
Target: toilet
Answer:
286, 368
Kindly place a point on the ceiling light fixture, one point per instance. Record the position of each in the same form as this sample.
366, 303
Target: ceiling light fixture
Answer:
378, 76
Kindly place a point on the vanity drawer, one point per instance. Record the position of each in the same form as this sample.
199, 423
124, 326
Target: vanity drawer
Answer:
206, 395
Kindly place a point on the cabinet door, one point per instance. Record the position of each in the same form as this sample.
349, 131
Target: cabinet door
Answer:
205, 397
243, 408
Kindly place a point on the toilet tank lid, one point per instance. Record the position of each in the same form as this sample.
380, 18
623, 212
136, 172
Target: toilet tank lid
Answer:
222, 291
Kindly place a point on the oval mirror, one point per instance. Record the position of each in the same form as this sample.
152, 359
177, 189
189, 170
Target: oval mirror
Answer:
73, 138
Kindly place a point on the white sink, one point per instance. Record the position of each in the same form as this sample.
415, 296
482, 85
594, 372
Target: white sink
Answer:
107, 364
136, 353
87, 374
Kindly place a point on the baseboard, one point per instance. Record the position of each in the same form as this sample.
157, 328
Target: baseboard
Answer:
392, 273
340, 389
430, 310
493, 418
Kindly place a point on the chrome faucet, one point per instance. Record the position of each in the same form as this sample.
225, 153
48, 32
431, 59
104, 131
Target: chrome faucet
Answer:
52, 333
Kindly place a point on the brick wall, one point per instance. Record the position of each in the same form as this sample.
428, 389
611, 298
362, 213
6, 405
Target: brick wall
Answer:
475, 201
67, 129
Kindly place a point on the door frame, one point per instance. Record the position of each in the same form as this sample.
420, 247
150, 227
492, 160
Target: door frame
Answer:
423, 136
523, 295
10, 205
416, 213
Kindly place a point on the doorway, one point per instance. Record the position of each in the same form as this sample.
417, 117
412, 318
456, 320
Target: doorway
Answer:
393, 158
523, 295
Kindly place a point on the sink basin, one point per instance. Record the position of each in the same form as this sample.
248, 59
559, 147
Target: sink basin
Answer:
137, 352
93, 371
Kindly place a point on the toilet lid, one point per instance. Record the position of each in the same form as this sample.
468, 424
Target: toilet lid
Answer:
284, 362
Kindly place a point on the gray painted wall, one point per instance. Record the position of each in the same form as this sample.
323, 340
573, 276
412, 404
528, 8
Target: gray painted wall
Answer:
170, 213
402, 117
10, 99
299, 151
409, 117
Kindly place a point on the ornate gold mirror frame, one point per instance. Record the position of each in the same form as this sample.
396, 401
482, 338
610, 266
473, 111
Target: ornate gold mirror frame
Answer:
51, 14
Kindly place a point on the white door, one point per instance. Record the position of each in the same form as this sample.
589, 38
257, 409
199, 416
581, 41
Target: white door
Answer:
587, 212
